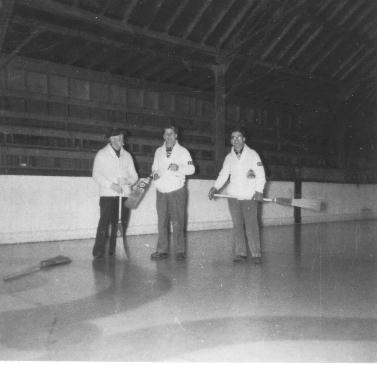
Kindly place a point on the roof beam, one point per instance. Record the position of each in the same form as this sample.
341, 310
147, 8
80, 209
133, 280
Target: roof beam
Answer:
357, 63
236, 21
6, 10
14, 53
305, 44
57, 9
103, 40
127, 12
218, 20
350, 11
176, 14
325, 55
155, 10
349, 59
197, 18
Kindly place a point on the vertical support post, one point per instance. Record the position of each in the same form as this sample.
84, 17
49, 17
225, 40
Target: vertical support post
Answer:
297, 195
219, 115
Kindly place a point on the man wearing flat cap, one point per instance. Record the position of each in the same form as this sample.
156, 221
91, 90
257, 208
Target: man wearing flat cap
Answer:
114, 172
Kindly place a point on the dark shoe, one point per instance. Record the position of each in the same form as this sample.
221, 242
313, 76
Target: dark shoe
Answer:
256, 260
159, 256
180, 256
239, 258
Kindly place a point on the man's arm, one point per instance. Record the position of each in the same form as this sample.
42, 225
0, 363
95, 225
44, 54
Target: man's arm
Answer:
98, 172
221, 179
187, 167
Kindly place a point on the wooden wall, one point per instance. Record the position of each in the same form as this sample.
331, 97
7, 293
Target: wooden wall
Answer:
53, 119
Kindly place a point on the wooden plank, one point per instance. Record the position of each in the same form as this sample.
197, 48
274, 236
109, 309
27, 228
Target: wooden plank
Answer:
58, 9
198, 16
6, 10
367, 54
104, 41
352, 9
305, 45
131, 5
175, 15
218, 20
278, 39
326, 54
4, 61
107, 106
294, 39
348, 61
236, 21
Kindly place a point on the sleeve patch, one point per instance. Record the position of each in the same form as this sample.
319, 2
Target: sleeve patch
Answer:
189, 163
259, 163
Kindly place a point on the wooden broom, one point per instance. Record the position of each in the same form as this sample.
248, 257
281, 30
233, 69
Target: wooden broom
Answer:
44, 264
305, 203
120, 230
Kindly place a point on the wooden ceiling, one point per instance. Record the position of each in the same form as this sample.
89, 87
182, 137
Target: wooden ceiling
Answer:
300, 53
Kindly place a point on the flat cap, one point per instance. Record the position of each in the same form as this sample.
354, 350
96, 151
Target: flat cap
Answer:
115, 132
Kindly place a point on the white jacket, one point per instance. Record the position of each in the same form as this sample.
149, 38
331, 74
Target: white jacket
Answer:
240, 186
172, 180
108, 168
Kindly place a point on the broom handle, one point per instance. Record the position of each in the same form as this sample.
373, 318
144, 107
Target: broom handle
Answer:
120, 208
24, 272
230, 196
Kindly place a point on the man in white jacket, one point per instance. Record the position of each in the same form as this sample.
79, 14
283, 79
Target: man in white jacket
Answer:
247, 179
172, 162
114, 172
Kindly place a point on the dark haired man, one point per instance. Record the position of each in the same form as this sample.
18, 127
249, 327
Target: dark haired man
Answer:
172, 162
247, 179
114, 172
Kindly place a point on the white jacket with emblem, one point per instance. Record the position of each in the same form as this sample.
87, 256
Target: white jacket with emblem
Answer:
172, 180
240, 186
108, 168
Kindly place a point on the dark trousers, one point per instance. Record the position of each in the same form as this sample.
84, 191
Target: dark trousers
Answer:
245, 218
171, 207
109, 213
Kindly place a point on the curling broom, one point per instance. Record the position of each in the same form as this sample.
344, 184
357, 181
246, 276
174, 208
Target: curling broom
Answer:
44, 264
311, 204
120, 230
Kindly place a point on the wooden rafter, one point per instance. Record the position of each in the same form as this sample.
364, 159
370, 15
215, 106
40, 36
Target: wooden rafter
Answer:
350, 12
131, 5
218, 20
55, 8
305, 44
5, 17
103, 40
367, 54
318, 62
362, 16
235, 22
339, 6
293, 40
248, 18
176, 14
279, 39
350, 58
198, 16
156, 7
14, 53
